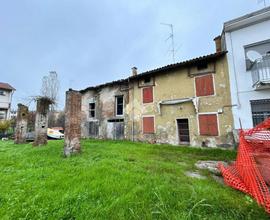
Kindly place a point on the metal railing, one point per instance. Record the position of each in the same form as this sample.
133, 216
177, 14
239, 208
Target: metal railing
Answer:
260, 71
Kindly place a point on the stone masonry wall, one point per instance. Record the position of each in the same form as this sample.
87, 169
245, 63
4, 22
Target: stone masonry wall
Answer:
21, 124
41, 123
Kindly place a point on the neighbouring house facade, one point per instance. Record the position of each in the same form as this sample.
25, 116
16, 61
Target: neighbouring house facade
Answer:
6, 93
247, 40
182, 103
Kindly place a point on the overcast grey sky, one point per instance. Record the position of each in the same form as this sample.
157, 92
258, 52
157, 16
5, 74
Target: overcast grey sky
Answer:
90, 42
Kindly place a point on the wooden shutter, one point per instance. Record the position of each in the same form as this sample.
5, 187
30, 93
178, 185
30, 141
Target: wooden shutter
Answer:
203, 124
204, 85
148, 95
148, 125
208, 125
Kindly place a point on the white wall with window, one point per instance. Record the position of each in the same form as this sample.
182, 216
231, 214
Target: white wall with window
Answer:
244, 34
3, 114
5, 103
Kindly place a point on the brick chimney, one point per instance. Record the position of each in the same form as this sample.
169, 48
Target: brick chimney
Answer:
134, 71
218, 44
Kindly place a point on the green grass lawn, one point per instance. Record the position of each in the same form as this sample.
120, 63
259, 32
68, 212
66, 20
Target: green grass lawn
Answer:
115, 180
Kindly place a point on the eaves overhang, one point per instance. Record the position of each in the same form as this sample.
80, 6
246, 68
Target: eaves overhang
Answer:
247, 20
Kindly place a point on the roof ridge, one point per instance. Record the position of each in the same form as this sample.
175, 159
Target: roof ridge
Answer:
160, 69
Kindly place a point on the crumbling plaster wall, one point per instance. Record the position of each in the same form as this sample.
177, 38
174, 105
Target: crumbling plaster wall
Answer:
21, 124
175, 85
105, 108
87, 97
41, 121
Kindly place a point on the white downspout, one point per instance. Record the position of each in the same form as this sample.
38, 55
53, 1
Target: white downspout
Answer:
234, 73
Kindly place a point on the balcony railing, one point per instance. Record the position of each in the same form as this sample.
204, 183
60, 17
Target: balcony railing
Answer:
260, 71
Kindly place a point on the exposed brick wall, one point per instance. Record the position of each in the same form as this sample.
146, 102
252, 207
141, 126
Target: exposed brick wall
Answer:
21, 124
41, 123
72, 122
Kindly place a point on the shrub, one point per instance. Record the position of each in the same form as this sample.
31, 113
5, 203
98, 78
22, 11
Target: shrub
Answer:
4, 125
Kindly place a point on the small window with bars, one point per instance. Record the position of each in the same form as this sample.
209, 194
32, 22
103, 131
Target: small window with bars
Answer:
260, 110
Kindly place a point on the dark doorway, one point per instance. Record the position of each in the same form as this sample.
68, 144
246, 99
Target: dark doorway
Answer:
183, 131
93, 129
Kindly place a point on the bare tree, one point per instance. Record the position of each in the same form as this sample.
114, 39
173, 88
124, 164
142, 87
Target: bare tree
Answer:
50, 88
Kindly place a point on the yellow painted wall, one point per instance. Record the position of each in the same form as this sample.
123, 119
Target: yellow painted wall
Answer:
176, 85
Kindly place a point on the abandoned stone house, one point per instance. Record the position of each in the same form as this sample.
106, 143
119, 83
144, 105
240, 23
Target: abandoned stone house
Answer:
182, 103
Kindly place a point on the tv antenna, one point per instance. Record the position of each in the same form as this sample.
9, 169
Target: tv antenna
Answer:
171, 36
264, 2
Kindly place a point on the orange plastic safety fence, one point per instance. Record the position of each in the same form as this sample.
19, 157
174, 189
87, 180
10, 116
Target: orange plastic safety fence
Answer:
251, 171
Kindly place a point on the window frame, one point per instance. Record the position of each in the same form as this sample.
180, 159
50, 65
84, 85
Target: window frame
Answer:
259, 116
248, 64
2, 92
4, 113
92, 110
116, 105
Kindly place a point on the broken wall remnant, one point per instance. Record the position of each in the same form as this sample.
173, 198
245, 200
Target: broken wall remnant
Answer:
21, 124
72, 122
41, 123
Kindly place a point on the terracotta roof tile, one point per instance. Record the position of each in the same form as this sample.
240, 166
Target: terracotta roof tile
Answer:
169, 67
6, 86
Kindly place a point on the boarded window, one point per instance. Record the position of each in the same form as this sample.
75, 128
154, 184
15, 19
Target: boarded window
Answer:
204, 85
208, 125
148, 95
119, 105
148, 125
92, 110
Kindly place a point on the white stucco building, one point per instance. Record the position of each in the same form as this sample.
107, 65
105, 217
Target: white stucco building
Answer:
6, 92
247, 40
